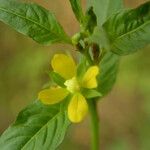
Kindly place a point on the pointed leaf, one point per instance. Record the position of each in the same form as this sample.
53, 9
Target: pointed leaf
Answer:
77, 9
32, 20
129, 30
38, 127
90, 21
109, 68
105, 8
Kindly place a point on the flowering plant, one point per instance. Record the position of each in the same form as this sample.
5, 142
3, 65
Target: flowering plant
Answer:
107, 31
66, 68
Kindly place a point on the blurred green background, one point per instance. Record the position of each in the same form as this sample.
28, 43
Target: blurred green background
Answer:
124, 113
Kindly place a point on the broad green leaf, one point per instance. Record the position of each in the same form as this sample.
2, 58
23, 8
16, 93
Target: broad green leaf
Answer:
129, 30
105, 8
109, 68
32, 20
38, 127
77, 9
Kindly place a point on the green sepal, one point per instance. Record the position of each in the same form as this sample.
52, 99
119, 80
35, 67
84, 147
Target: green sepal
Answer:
59, 80
90, 93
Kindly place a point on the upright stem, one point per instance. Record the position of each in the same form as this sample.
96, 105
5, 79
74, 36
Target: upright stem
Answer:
94, 125
88, 57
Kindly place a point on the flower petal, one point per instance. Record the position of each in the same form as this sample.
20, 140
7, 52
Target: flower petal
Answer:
77, 108
64, 65
53, 95
89, 79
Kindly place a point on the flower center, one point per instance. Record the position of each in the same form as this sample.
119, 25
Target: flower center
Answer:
72, 85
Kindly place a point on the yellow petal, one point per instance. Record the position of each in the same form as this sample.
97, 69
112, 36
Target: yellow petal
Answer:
89, 79
77, 108
53, 95
64, 65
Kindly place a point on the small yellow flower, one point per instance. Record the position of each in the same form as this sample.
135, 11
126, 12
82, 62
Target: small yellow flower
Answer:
66, 67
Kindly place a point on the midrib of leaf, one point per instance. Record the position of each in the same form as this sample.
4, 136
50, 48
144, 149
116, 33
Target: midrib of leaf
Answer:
40, 130
25, 18
130, 32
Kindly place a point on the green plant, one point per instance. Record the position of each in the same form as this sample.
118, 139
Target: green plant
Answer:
107, 31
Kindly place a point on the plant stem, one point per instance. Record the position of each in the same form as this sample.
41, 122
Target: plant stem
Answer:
94, 125
88, 57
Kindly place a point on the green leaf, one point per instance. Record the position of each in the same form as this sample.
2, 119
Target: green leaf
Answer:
129, 30
77, 9
82, 67
108, 72
100, 37
105, 8
57, 78
90, 93
90, 21
38, 127
109, 63
32, 20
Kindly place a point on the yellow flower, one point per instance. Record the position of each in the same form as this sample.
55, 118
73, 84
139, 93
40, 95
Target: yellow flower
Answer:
66, 68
